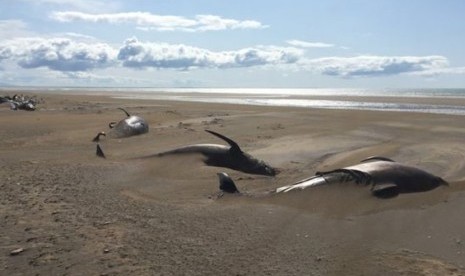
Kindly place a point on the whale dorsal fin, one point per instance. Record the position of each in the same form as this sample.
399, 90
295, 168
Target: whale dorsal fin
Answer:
124, 111
376, 158
234, 146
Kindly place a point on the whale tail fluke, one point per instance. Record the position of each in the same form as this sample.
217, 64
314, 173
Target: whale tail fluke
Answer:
227, 184
99, 152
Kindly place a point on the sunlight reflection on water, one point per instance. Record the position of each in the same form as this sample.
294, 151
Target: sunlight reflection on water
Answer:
273, 100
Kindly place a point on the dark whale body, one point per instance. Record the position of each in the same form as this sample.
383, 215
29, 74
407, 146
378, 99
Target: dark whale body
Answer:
227, 185
223, 156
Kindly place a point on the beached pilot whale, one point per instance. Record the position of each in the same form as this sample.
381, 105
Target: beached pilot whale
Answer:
386, 177
224, 156
130, 126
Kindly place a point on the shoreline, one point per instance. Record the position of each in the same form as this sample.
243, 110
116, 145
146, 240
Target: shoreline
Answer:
414, 104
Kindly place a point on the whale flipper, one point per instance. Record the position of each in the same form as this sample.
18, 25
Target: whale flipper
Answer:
387, 190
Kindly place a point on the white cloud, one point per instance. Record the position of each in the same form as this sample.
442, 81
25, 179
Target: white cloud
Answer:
305, 44
76, 56
60, 54
160, 55
149, 21
215, 23
374, 65
67, 55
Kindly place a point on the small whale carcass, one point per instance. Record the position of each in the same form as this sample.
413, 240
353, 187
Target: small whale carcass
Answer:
130, 126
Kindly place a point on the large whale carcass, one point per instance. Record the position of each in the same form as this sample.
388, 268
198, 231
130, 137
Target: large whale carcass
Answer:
386, 178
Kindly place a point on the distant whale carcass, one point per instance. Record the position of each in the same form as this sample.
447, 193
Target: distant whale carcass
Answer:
19, 102
130, 126
223, 156
386, 177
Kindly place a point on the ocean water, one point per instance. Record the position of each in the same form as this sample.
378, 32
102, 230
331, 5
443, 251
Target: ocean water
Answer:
305, 98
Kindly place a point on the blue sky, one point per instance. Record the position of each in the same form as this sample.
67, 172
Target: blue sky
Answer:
210, 43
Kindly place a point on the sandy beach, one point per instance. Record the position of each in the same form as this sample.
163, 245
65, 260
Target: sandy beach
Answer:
73, 213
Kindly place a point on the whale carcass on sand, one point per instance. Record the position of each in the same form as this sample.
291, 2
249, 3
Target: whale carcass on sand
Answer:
130, 126
224, 156
386, 177
20, 102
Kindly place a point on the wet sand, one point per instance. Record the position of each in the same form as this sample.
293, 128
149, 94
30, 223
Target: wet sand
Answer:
75, 214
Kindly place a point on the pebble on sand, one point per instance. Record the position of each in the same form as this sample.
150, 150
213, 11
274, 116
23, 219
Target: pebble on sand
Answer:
17, 251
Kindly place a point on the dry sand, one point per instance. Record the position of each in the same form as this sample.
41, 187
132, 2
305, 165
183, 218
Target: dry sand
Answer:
75, 214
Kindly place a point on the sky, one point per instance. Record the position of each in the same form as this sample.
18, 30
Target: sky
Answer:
241, 43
